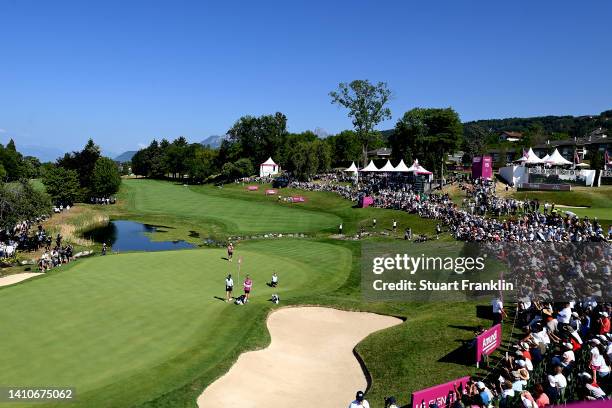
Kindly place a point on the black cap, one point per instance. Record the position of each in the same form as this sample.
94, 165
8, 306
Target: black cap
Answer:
359, 396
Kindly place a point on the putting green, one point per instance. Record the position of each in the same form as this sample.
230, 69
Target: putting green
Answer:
125, 329
150, 197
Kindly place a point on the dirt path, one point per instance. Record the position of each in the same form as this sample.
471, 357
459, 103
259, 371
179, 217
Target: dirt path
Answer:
309, 362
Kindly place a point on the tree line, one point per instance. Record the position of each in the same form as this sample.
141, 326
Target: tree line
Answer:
81, 175
19, 200
427, 134
14, 166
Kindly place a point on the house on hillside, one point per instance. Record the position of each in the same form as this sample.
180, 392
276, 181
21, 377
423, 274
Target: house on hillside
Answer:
502, 155
382, 153
509, 136
598, 142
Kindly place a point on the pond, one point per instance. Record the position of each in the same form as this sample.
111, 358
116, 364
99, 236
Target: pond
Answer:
125, 235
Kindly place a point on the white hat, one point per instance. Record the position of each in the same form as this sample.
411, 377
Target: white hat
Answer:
480, 385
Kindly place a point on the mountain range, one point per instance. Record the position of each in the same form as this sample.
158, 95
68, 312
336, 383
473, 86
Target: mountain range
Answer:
213, 141
125, 156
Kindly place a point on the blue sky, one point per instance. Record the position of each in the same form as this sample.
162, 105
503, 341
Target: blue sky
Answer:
125, 72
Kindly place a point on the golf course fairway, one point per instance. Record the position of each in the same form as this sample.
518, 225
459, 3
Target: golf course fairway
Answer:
233, 215
125, 329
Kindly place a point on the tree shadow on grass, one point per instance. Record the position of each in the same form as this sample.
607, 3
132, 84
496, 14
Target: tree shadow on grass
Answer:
468, 328
463, 355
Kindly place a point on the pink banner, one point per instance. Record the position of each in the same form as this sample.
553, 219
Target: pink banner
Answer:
488, 342
298, 199
589, 404
253, 188
365, 202
271, 192
442, 394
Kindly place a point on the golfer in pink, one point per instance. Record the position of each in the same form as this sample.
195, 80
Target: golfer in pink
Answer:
248, 284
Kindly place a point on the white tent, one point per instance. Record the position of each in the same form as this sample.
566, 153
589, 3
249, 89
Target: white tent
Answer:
268, 168
352, 168
370, 167
415, 165
531, 158
388, 167
418, 169
557, 160
401, 167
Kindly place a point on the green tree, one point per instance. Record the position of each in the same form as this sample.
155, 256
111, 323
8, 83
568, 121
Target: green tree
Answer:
244, 167
323, 151
427, 134
475, 140
345, 148
200, 163
228, 170
106, 179
62, 185
366, 104
12, 161
83, 163
596, 159
304, 161
255, 138
20, 201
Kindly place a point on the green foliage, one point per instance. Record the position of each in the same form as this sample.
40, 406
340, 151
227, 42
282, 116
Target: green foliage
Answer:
596, 159
240, 168
176, 159
307, 158
573, 126
31, 167
427, 134
255, 138
62, 185
12, 162
200, 163
21, 201
106, 179
345, 148
366, 105
244, 167
83, 163
475, 139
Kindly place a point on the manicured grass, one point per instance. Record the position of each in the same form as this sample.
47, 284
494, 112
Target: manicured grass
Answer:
144, 329
222, 214
124, 329
329, 203
579, 196
598, 199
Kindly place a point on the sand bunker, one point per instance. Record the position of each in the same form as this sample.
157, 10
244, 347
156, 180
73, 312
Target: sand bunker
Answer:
18, 277
310, 361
